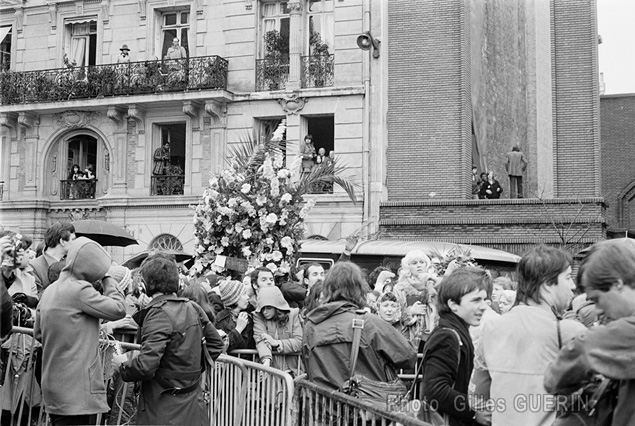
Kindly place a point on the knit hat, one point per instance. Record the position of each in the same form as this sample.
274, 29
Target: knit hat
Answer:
122, 275
271, 296
230, 292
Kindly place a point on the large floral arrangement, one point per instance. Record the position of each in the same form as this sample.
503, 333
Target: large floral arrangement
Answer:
253, 210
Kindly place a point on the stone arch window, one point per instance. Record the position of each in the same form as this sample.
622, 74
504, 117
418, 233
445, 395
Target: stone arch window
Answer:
166, 242
86, 149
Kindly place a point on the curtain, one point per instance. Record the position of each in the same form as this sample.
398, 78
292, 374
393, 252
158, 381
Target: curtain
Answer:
78, 50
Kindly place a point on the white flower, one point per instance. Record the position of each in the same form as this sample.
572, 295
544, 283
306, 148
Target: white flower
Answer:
224, 241
272, 218
310, 203
286, 242
269, 241
246, 251
218, 250
286, 197
272, 266
247, 234
279, 133
267, 169
275, 187
238, 227
278, 161
232, 202
285, 267
283, 173
261, 200
245, 188
276, 256
213, 182
303, 212
268, 256
213, 194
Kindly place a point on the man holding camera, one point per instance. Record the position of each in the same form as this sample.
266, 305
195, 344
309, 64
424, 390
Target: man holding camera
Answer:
6, 310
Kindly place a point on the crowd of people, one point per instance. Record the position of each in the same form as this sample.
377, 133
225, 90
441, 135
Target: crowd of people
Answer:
492, 350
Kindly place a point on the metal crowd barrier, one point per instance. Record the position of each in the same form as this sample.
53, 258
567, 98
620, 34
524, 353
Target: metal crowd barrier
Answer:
238, 392
316, 405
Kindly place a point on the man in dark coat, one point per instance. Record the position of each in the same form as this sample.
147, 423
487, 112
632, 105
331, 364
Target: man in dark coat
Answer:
57, 239
169, 365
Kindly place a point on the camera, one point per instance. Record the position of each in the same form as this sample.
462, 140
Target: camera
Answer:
11, 256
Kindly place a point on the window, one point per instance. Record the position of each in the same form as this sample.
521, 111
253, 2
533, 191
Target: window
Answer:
81, 167
320, 34
166, 242
175, 25
5, 48
168, 167
81, 42
322, 128
275, 30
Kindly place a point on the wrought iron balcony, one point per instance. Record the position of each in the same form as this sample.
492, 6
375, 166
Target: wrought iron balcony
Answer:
317, 71
78, 189
167, 184
272, 74
133, 78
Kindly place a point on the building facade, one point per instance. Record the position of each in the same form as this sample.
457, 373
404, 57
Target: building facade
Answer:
441, 85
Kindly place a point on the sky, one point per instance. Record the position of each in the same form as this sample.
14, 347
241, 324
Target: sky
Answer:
616, 25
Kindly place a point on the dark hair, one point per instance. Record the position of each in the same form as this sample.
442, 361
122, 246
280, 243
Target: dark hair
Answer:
58, 231
197, 293
515, 148
345, 282
483, 174
312, 299
606, 263
157, 254
372, 277
160, 275
388, 296
279, 316
459, 283
542, 264
305, 269
25, 242
72, 172
39, 249
253, 276
309, 136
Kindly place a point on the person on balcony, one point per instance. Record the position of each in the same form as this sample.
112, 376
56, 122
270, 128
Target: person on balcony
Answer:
307, 151
161, 159
75, 174
124, 56
174, 61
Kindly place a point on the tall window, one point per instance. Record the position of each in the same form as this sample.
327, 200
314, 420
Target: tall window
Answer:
275, 17
81, 45
320, 35
175, 25
5, 48
82, 150
266, 127
168, 159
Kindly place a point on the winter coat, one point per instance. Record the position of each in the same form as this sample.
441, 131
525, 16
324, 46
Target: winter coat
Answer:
6, 310
608, 350
245, 340
512, 357
327, 343
516, 163
289, 334
67, 325
171, 335
445, 381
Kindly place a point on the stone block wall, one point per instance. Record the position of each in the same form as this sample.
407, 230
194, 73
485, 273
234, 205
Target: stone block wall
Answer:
510, 225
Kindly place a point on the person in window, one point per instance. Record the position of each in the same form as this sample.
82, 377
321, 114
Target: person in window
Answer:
75, 174
307, 151
161, 159
89, 172
176, 51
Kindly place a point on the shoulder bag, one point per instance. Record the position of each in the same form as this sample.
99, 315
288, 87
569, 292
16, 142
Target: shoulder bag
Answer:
383, 395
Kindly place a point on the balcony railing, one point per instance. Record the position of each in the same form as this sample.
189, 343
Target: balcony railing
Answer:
167, 184
317, 71
271, 74
134, 78
77, 189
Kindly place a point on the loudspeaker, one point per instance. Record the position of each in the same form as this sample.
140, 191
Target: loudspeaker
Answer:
365, 41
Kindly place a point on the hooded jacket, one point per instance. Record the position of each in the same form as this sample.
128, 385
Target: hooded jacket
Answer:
608, 350
67, 325
327, 343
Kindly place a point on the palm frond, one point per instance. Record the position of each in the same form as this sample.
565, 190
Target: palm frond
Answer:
327, 173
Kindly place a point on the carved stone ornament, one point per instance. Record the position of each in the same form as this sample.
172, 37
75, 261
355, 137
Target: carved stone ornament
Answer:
73, 119
292, 104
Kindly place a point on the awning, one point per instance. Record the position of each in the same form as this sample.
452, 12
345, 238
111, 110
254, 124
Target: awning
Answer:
3, 32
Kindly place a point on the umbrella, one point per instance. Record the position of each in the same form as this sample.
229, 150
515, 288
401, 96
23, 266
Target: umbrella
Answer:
105, 233
135, 260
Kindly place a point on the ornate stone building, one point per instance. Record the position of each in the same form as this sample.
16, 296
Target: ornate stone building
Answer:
441, 85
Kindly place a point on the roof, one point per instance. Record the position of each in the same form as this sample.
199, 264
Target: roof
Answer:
400, 248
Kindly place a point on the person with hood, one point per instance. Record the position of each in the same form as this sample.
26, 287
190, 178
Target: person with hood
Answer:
169, 365
67, 325
277, 330
607, 275
328, 334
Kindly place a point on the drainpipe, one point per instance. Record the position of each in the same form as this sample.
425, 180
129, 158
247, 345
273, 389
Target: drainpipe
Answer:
366, 130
